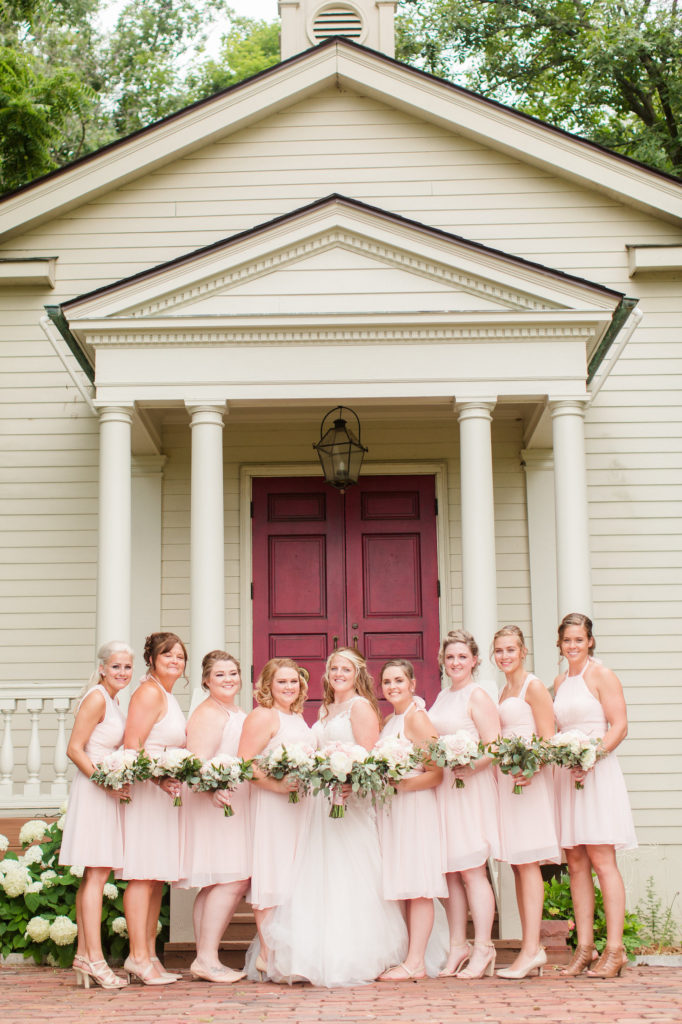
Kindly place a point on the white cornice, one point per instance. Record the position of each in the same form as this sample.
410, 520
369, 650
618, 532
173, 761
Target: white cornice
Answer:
355, 69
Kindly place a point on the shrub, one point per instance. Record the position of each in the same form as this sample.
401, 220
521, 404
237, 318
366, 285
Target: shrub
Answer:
558, 906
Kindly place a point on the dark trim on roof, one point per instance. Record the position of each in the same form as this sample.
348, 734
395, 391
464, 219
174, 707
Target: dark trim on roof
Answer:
59, 320
336, 41
336, 197
618, 320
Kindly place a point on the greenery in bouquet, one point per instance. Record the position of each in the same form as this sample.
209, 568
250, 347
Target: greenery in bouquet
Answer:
294, 760
344, 764
38, 900
392, 759
179, 764
456, 750
573, 749
516, 756
222, 772
117, 770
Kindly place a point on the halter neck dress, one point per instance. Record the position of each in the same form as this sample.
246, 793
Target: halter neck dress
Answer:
527, 825
92, 834
214, 848
151, 847
599, 813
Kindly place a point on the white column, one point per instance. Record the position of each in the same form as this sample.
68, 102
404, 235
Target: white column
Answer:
207, 536
34, 707
114, 568
479, 579
538, 464
574, 589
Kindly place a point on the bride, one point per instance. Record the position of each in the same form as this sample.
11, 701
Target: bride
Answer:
337, 929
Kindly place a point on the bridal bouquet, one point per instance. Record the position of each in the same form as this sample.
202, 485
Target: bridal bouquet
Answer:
339, 764
176, 763
222, 772
457, 750
116, 770
297, 760
516, 756
394, 757
573, 749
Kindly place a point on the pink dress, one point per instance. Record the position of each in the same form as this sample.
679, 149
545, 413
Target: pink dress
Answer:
151, 847
278, 826
92, 831
468, 817
409, 830
599, 814
527, 826
217, 849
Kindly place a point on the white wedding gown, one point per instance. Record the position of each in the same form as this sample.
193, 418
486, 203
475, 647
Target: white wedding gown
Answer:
336, 929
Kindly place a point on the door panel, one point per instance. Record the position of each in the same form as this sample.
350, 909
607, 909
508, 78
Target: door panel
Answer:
332, 570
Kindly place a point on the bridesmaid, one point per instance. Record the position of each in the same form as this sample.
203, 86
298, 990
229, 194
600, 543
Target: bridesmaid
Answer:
151, 854
527, 826
216, 849
412, 861
92, 831
596, 820
278, 825
468, 816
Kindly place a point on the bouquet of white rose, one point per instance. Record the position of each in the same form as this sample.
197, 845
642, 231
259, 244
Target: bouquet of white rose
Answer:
394, 757
339, 764
222, 772
456, 750
573, 749
176, 763
296, 760
116, 770
518, 757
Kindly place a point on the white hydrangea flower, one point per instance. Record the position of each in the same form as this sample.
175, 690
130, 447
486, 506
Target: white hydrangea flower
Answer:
38, 929
32, 831
16, 880
33, 855
4, 843
110, 891
35, 887
52, 961
158, 927
47, 877
62, 809
119, 926
61, 823
63, 931
77, 870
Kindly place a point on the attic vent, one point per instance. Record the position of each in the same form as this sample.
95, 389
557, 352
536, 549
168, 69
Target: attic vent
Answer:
337, 20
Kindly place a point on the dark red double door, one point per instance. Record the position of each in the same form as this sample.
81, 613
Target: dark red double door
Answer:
333, 570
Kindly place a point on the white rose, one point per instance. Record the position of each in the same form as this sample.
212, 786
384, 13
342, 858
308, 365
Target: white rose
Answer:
589, 758
119, 926
32, 831
110, 891
63, 931
16, 881
38, 929
4, 843
340, 763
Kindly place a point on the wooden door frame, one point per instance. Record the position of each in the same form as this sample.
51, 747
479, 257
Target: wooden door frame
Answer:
438, 469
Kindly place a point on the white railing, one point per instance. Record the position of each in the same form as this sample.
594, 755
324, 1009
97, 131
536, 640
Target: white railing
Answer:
33, 769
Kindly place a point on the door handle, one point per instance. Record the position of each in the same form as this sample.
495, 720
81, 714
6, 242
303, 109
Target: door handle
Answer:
336, 641
355, 641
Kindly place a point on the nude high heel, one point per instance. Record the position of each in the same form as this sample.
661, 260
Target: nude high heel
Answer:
611, 963
536, 964
145, 973
582, 958
465, 951
488, 968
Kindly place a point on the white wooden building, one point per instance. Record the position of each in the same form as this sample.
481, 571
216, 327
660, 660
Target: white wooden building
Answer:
498, 301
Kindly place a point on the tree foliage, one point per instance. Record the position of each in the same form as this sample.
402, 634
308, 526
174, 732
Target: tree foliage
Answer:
610, 70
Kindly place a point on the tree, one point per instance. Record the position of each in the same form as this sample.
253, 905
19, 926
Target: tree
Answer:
610, 70
249, 47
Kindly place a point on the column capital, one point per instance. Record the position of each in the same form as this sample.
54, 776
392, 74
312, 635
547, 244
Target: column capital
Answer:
537, 458
568, 407
115, 413
479, 408
207, 413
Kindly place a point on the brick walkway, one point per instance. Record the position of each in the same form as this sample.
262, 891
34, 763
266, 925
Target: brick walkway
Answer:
44, 996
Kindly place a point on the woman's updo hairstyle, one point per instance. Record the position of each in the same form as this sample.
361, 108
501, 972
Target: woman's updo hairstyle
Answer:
160, 643
458, 636
403, 663
514, 631
105, 652
210, 659
577, 619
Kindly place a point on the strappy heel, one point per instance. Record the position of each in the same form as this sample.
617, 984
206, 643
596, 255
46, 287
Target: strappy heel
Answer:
145, 973
488, 968
97, 971
611, 963
464, 959
582, 958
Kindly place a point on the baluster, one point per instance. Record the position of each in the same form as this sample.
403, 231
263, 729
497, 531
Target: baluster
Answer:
60, 786
7, 709
34, 706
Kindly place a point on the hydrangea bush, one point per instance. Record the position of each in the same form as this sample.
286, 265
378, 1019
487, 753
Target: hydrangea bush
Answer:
38, 901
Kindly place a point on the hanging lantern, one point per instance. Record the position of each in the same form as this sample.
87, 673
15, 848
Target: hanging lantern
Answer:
339, 450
